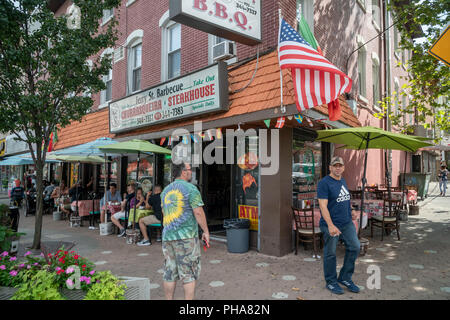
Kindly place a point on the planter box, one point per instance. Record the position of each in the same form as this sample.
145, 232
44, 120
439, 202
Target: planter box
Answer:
137, 288
6, 293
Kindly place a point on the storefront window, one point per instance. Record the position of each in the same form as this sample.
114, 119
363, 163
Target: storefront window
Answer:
247, 182
113, 174
146, 173
306, 170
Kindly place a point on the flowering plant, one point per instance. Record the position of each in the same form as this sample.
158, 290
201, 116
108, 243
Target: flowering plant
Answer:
71, 268
11, 269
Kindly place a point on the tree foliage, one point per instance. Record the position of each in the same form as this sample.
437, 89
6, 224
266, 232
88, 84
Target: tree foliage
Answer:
428, 84
46, 79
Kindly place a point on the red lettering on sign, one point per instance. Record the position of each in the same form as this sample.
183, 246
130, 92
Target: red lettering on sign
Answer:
200, 4
221, 11
241, 20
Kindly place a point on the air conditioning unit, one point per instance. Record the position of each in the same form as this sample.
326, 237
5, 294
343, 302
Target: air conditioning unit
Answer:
118, 54
224, 50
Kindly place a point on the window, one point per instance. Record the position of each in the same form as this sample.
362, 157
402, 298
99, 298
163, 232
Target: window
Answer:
170, 48
136, 64
375, 79
362, 72
306, 9
134, 61
107, 15
174, 51
397, 96
396, 41
376, 17
212, 41
106, 95
362, 4
404, 107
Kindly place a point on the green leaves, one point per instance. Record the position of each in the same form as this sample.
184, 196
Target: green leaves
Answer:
428, 85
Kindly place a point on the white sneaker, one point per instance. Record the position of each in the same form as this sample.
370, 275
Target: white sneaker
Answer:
144, 243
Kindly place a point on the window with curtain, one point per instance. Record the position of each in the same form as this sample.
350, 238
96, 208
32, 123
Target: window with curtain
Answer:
174, 51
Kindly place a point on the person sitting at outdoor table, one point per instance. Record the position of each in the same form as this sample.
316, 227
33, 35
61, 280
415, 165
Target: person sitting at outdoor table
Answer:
127, 203
48, 191
60, 193
111, 195
153, 202
141, 207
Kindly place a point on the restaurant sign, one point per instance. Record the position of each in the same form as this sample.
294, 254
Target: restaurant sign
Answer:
200, 92
238, 20
251, 213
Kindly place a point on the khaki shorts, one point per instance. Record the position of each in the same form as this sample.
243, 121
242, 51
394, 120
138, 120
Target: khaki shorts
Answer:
182, 260
151, 219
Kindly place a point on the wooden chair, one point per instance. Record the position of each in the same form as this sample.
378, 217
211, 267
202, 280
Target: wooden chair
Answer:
305, 230
387, 222
355, 194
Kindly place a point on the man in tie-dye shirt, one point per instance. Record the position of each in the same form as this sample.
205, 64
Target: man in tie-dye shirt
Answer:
182, 208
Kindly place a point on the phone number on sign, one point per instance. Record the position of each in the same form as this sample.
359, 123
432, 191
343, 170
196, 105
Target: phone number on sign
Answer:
161, 115
244, 8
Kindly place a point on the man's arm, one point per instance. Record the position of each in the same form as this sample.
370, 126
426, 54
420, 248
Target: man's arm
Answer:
201, 220
323, 203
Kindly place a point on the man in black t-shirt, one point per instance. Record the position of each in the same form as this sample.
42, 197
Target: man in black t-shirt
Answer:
154, 202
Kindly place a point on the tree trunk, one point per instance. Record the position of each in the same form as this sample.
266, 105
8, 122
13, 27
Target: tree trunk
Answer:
39, 203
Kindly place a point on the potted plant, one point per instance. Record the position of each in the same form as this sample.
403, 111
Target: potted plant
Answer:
12, 272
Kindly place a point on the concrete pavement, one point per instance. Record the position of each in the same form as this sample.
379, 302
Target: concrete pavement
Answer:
417, 267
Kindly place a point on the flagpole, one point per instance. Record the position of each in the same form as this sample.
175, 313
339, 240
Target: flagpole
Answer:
283, 110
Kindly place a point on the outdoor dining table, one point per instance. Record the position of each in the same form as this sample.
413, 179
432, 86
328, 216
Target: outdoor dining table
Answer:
85, 206
113, 208
140, 213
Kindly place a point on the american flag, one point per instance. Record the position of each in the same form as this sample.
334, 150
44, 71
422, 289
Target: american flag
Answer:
316, 80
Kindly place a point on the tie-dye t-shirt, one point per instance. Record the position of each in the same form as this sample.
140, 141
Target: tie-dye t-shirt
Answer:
178, 201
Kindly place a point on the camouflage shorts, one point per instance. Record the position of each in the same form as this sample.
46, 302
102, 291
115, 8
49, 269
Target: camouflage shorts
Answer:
182, 260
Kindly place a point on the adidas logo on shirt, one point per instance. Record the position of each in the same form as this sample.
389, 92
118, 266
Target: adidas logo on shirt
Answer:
344, 195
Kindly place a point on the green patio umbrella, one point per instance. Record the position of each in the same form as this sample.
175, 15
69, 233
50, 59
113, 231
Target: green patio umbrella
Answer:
135, 146
364, 138
78, 159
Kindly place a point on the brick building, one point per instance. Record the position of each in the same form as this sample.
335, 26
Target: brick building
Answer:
152, 50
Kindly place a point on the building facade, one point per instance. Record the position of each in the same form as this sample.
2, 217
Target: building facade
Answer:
154, 53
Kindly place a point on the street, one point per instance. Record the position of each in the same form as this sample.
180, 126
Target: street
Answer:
417, 267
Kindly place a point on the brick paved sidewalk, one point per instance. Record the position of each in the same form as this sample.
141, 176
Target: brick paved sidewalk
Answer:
417, 267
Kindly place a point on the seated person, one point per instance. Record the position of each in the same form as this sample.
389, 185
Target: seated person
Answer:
126, 204
75, 194
153, 202
48, 191
18, 192
111, 195
60, 193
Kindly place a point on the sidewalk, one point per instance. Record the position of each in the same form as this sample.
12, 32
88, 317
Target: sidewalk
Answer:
417, 267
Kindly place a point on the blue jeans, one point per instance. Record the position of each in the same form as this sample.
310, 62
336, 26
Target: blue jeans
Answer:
352, 248
443, 186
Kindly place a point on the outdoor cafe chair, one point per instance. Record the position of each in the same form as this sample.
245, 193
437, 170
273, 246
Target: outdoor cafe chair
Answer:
305, 230
388, 221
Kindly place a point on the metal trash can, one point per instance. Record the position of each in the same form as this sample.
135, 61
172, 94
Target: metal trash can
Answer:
14, 216
237, 234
